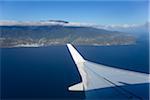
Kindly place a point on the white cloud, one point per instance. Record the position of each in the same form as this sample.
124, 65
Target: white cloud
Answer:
39, 23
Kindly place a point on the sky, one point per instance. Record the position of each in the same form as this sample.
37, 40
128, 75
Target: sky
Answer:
95, 12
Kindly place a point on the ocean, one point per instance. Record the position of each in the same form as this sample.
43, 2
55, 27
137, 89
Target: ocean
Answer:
47, 72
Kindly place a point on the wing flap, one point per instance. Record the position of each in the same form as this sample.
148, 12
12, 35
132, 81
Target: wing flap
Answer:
115, 75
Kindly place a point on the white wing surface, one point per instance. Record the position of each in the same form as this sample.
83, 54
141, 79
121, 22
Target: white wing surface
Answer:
97, 76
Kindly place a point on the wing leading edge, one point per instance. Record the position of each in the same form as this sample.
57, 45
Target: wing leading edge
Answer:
96, 76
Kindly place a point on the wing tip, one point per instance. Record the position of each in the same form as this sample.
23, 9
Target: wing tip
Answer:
76, 87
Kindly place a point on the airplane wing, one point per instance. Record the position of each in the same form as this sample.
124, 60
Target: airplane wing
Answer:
97, 76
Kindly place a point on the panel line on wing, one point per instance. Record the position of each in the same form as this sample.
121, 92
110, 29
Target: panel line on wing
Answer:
118, 88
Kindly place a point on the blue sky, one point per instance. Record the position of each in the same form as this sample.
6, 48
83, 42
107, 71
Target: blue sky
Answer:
98, 12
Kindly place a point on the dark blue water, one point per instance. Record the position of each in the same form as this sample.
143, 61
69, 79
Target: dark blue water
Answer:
47, 72
131, 57
44, 72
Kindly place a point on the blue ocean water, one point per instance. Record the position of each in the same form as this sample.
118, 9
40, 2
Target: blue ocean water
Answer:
47, 72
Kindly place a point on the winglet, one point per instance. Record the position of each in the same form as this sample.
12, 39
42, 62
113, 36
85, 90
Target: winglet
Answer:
79, 61
75, 55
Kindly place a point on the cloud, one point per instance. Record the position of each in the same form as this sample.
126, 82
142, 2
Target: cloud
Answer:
64, 23
39, 23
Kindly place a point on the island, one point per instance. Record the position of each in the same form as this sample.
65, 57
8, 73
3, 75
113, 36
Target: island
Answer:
59, 32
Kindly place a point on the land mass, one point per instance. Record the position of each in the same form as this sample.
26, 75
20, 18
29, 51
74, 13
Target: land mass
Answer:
59, 33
